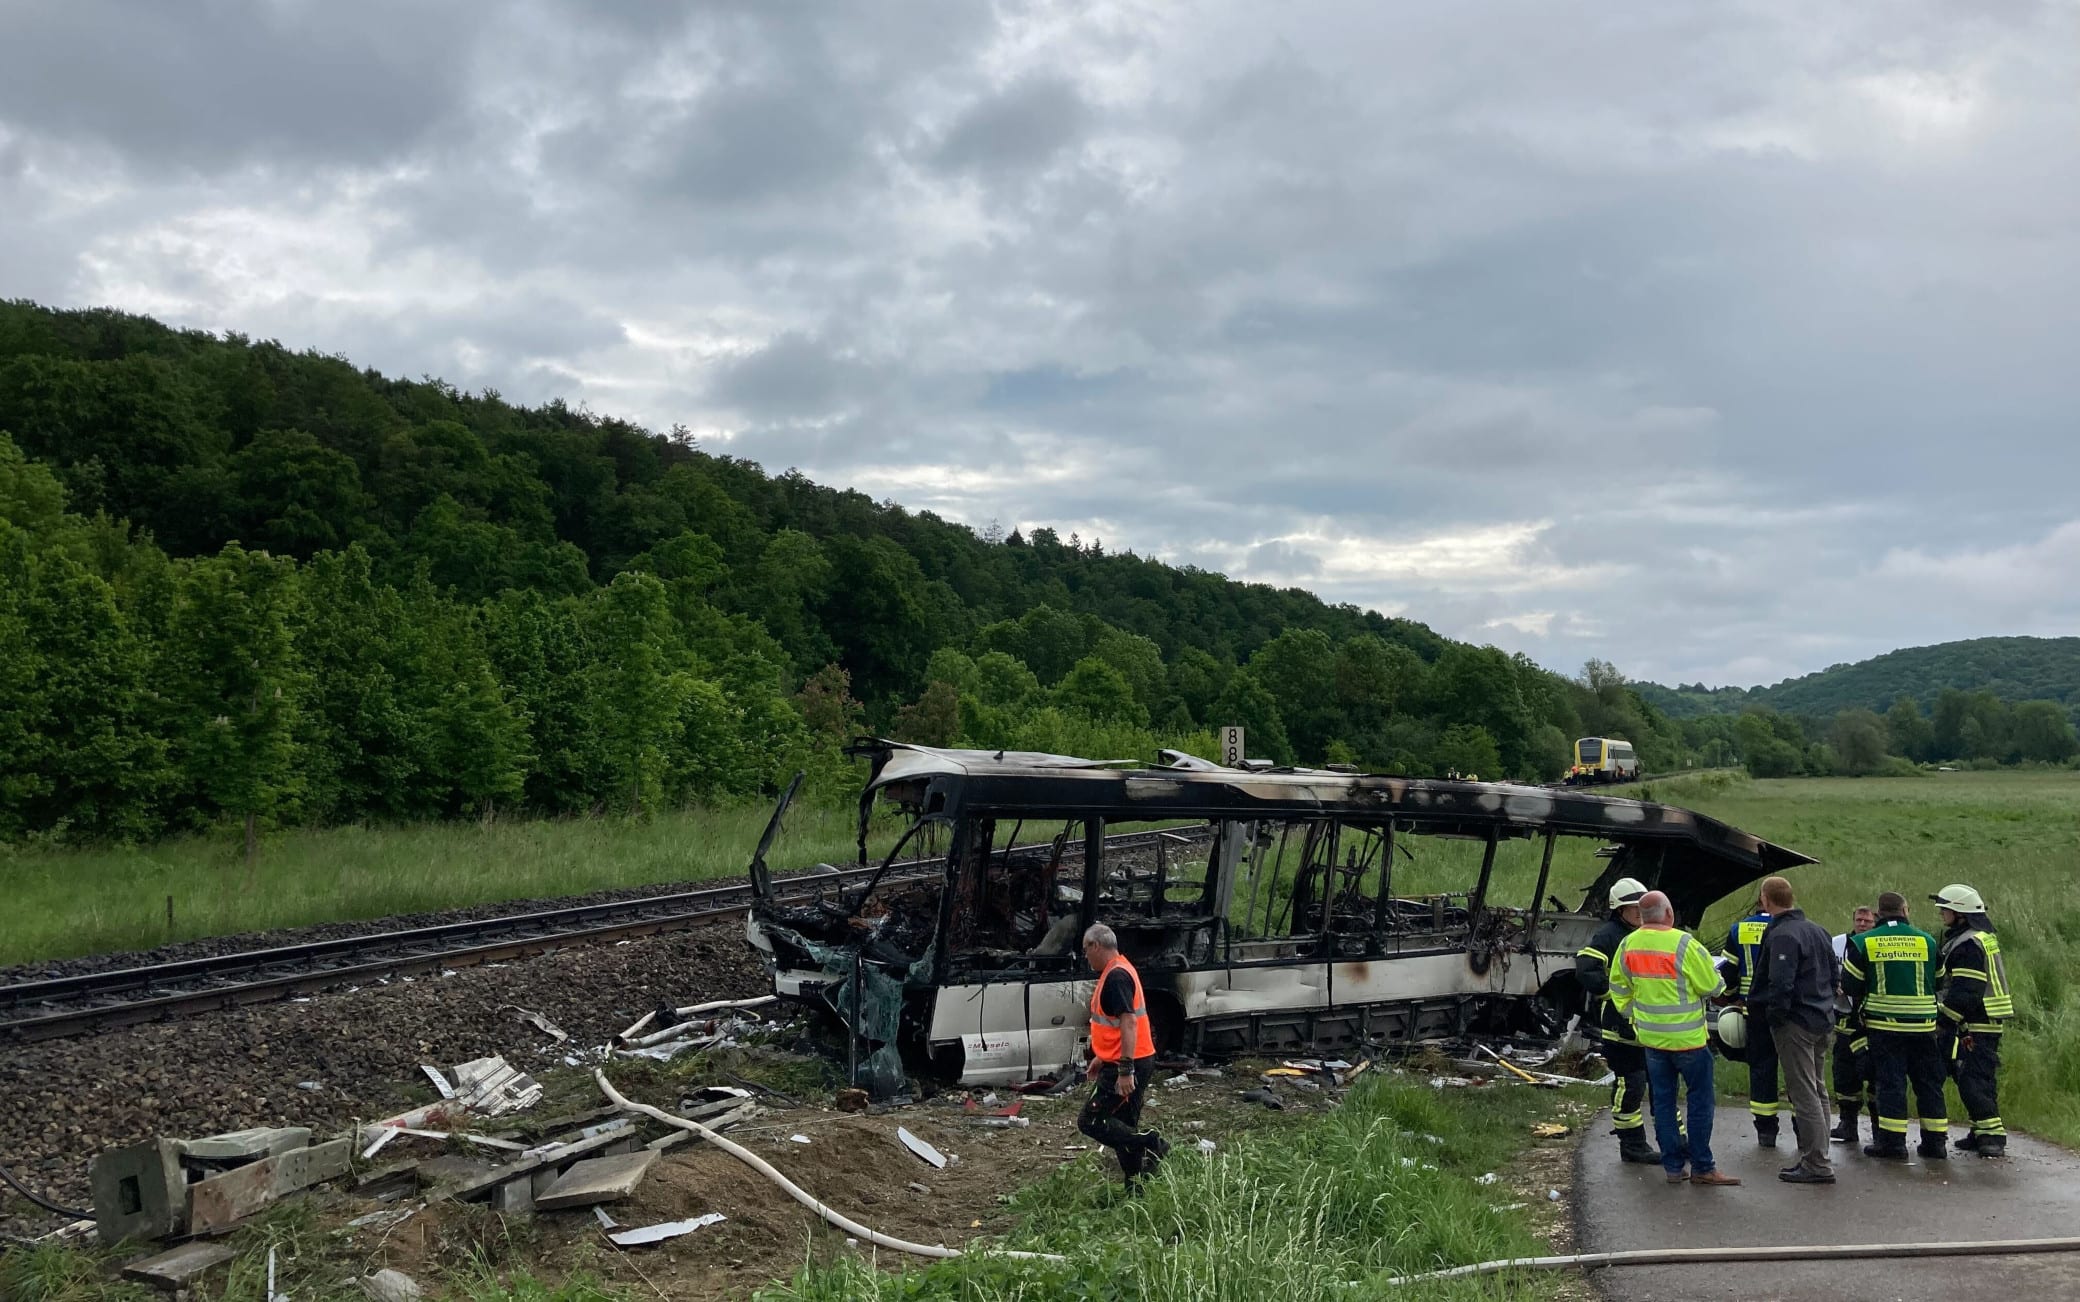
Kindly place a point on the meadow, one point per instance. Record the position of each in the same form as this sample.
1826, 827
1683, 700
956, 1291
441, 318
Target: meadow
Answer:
66, 902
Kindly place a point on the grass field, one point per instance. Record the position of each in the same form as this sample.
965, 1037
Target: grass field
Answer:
67, 902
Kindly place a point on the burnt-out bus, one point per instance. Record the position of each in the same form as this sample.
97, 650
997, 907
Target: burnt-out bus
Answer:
1269, 910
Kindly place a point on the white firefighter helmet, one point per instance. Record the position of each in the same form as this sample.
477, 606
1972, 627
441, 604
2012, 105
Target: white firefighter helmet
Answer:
1960, 899
1733, 1028
1627, 890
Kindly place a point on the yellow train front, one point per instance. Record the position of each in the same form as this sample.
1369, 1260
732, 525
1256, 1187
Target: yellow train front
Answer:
1603, 759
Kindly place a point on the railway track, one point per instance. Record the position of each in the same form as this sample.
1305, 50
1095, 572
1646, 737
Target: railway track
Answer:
65, 1006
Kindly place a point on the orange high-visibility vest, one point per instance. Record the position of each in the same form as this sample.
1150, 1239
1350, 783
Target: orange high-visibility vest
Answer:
1105, 1036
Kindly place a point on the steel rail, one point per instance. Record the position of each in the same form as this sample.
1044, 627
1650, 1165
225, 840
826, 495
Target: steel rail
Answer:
57, 1007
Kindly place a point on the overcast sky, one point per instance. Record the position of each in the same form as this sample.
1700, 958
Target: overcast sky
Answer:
1723, 341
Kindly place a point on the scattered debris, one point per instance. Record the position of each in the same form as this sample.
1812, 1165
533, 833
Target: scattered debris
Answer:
310, 1085
1449, 1082
540, 1023
1207, 1146
440, 1082
1489, 1178
798, 1139
490, 1088
597, 1180
919, 1147
851, 1100
177, 1268
388, 1218
666, 1230
1550, 1130
1264, 1096
391, 1286
915, 1187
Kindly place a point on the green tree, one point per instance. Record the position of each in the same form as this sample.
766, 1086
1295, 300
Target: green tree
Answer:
235, 684
1469, 751
637, 698
1907, 733
1097, 690
1298, 668
1857, 739
933, 719
1245, 703
2043, 732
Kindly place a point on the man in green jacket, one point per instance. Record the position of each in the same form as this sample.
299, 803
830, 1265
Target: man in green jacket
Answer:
1660, 979
1889, 973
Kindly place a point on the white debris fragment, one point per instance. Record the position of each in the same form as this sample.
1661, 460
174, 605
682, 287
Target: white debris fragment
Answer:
919, 1147
798, 1139
388, 1134
440, 1082
666, 1230
540, 1023
1552, 1195
387, 1218
391, 1286
1207, 1146
491, 1088
606, 1222
1489, 1178
311, 1085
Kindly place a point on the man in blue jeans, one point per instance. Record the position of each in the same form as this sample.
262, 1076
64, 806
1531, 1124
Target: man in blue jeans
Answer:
1660, 979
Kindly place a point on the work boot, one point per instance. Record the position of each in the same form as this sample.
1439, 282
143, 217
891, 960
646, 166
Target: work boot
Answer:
1991, 1146
1970, 1142
1714, 1179
1154, 1148
1934, 1148
1633, 1147
1892, 1150
1766, 1135
1845, 1131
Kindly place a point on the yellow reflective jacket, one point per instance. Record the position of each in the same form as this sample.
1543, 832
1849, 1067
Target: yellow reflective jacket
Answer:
1660, 980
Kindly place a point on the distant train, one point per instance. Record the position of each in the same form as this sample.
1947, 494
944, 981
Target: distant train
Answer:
1603, 759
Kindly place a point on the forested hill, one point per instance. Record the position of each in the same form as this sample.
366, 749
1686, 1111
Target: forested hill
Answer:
2011, 668
240, 582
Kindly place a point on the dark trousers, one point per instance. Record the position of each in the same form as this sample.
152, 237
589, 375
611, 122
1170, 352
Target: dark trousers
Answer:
1763, 1099
1975, 1063
1116, 1122
1628, 1064
1852, 1066
1900, 1059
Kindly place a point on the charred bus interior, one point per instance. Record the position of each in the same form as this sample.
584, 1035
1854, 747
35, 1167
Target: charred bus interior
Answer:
1268, 911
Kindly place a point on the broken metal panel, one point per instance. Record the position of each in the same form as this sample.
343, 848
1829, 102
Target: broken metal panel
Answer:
1011, 1031
1222, 991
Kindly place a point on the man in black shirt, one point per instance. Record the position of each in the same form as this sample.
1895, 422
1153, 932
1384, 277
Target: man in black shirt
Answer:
1795, 990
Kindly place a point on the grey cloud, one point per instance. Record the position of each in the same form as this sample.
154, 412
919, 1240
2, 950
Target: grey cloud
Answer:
1018, 128
1716, 308
206, 84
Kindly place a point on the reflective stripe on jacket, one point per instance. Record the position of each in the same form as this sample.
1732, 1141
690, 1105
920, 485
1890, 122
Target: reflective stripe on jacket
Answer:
1744, 944
1890, 971
1105, 1031
1660, 982
1972, 983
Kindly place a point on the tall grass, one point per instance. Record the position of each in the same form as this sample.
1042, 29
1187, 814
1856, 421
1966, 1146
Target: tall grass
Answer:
67, 902
2014, 835
1323, 1209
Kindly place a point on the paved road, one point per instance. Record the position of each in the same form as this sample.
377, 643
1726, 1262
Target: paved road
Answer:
2033, 1194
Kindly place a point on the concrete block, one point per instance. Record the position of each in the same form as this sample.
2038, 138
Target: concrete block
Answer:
598, 1180
300, 1168
515, 1197
261, 1141
139, 1191
177, 1268
222, 1201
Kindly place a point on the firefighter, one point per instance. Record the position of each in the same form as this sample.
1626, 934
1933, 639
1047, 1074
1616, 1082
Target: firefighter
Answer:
1889, 973
1852, 1047
1743, 944
1972, 989
1602, 1021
